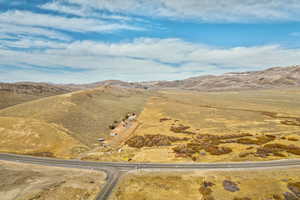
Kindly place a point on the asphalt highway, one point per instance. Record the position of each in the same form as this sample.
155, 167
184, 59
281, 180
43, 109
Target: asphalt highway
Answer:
115, 169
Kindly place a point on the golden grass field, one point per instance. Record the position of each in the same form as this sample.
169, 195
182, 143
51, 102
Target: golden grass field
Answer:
66, 125
264, 184
174, 126
220, 126
33, 182
36, 137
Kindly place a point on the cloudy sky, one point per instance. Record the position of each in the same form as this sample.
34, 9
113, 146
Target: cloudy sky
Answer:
84, 41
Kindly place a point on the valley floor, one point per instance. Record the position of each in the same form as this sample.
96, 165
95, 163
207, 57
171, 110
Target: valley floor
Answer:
183, 126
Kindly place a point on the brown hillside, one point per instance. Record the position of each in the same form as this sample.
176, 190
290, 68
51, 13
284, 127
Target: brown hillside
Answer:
84, 115
15, 93
277, 77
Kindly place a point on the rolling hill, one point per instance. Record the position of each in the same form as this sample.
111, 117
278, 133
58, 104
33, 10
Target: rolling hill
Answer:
272, 78
15, 93
72, 122
277, 77
66, 120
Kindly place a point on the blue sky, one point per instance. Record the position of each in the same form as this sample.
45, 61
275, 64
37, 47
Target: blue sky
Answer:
80, 41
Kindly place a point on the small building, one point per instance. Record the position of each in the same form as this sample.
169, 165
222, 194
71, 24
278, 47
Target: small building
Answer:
113, 134
132, 118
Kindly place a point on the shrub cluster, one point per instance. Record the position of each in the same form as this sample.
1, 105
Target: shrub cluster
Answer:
241, 198
191, 148
181, 129
208, 143
291, 122
164, 119
152, 140
218, 138
206, 191
295, 188
42, 154
112, 126
276, 149
258, 140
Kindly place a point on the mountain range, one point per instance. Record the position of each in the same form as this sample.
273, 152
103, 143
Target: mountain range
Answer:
276, 77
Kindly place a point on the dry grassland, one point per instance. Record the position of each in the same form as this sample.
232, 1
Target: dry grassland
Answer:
33, 182
221, 126
265, 184
66, 125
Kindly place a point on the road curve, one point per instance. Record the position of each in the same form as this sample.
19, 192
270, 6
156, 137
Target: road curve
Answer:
114, 169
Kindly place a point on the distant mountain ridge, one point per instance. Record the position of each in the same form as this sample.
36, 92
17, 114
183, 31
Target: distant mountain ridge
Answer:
15, 93
34, 88
276, 77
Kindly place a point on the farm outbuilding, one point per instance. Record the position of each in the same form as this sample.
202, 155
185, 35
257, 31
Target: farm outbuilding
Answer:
113, 134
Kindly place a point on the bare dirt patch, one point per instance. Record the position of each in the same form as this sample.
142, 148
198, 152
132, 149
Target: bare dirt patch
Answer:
230, 186
33, 182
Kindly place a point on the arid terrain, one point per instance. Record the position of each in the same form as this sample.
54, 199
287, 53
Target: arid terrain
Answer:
179, 126
176, 124
149, 99
66, 125
271, 184
33, 182
276, 77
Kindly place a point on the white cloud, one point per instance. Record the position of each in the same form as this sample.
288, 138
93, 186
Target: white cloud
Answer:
143, 58
140, 60
32, 43
177, 51
165, 50
26, 18
6, 36
204, 10
57, 6
83, 11
18, 30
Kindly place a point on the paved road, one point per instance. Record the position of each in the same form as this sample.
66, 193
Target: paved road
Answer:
115, 169
112, 181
